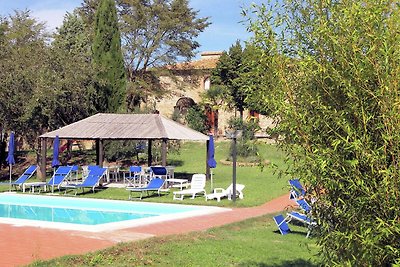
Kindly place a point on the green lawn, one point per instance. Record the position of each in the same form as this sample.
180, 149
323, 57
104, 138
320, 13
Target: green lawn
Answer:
262, 184
253, 242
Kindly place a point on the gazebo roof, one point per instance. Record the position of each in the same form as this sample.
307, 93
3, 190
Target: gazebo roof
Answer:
126, 126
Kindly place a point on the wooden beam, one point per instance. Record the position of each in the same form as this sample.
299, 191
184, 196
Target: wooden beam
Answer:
99, 152
41, 172
149, 155
164, 152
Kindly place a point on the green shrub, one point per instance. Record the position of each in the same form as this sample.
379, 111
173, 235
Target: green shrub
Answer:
246, 146
196, 119
116, 150
176, 116
130, 150
249, 128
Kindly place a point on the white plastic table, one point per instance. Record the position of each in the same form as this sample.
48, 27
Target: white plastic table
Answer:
32, 186
179, 183
114, 172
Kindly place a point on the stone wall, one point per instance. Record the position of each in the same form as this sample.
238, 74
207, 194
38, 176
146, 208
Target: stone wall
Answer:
189, 81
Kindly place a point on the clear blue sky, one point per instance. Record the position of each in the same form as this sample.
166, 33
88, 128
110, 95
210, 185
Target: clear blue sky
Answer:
220, 35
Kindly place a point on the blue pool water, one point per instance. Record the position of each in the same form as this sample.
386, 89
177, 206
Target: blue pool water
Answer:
82, 211
66, 215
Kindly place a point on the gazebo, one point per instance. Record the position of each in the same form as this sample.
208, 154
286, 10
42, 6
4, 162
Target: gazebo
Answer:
107, 126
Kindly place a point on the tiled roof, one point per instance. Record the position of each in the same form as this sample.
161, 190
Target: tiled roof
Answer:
209, 60
201, 64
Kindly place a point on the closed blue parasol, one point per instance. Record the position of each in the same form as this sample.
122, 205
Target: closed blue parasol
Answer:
210, 157
10, 157
56, 146
211, 151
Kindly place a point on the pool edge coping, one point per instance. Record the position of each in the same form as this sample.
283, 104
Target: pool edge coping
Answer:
113, 226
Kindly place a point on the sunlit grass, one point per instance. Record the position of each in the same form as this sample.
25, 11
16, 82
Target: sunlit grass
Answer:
262, 183
253, 242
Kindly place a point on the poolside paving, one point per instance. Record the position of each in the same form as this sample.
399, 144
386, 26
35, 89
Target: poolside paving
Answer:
23, 245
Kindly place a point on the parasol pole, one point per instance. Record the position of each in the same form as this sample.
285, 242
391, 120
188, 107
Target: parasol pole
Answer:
10, 167
211, 180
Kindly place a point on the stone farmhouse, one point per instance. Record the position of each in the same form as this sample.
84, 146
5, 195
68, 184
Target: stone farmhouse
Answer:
189, 81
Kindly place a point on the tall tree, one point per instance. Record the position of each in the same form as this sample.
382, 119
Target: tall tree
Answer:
336, 76
256, 76
159, 32
108, 60
43, 85
23, 56
73, 76
214, 99
227, 74
154, 34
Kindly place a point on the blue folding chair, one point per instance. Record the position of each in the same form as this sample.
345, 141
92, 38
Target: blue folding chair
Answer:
159, 171
134, 176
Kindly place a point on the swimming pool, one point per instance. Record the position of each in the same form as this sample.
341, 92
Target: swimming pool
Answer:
90, 214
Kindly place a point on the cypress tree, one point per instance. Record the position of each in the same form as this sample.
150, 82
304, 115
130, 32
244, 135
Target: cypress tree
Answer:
108, 59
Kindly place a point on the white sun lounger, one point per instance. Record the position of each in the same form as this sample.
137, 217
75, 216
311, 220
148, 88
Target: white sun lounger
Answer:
219, 193
197, 186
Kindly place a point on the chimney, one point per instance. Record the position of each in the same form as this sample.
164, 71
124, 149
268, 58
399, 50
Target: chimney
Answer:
211, 55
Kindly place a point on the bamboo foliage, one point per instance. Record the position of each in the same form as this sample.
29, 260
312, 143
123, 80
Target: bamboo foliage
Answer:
330, 71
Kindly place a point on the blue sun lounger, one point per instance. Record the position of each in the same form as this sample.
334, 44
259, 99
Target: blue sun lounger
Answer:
28, 173
304, 218
91, 181
154, 186
59, 176
296, 189
282, 224
294, 215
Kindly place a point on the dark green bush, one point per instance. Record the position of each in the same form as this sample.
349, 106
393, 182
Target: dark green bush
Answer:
116, 150
196, 119
136, 151
246, 144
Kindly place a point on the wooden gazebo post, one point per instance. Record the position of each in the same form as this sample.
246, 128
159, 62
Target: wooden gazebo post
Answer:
99, 152
149, 155
42, 159
164, 152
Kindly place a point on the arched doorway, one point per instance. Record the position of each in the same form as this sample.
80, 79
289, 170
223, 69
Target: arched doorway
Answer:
183, 104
